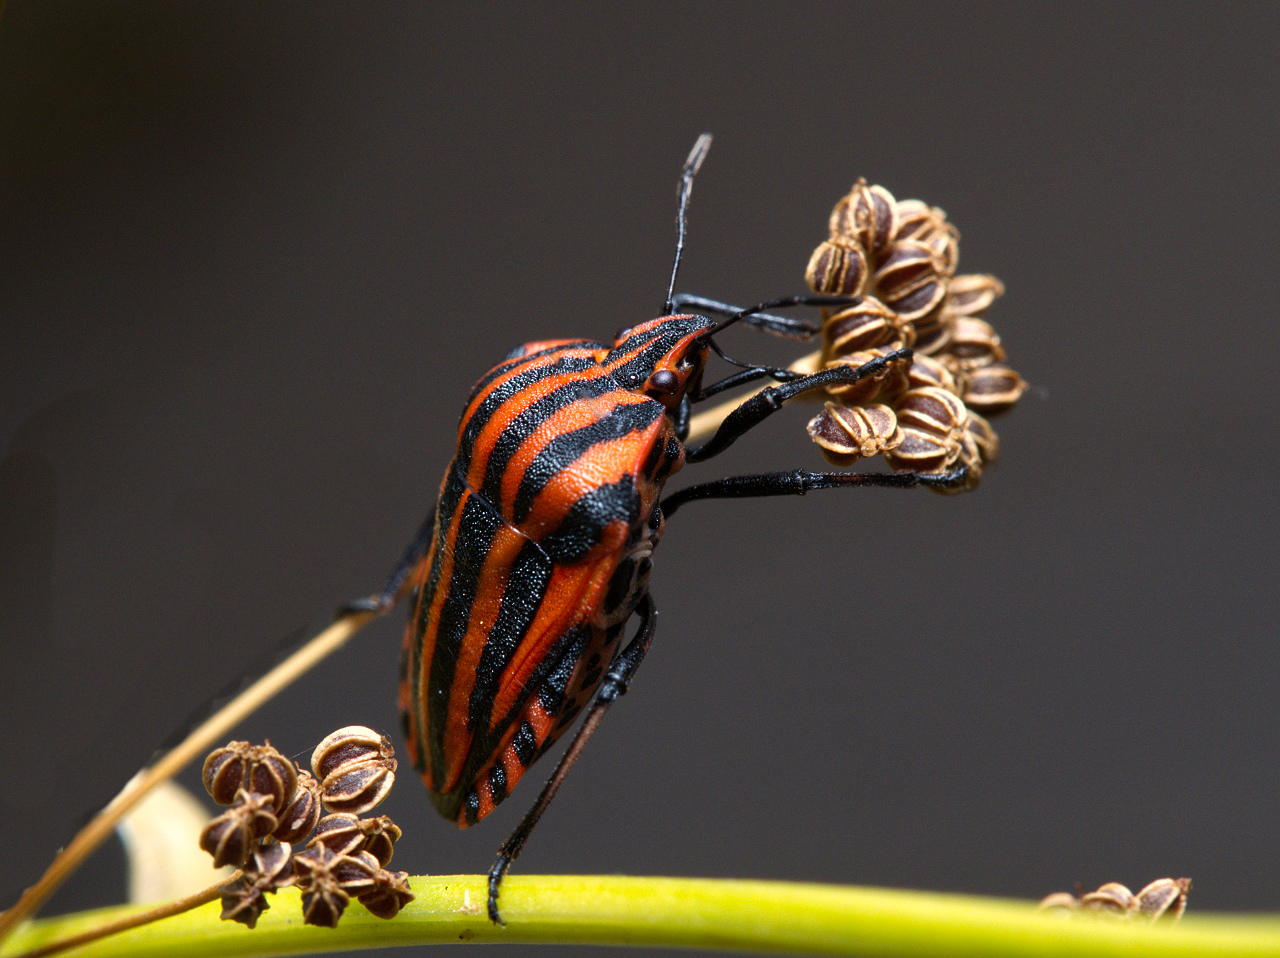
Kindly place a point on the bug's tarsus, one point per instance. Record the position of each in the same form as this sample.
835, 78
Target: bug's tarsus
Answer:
691, 166
765, 403
392, 590
612, 686
798, 482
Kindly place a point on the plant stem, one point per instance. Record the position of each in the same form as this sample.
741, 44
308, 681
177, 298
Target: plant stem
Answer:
134, 919
685, 913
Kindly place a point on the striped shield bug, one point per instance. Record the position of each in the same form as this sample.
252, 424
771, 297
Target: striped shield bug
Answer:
538, 550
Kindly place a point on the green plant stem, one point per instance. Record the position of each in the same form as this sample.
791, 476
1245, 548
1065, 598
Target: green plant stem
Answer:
686, 913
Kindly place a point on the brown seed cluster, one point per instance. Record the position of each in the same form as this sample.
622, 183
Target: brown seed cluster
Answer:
1163, 898
925, 414
275, 804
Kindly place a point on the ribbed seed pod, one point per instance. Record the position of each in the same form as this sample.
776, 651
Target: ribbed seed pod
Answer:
348, 747
868, 324
1112, 897
867, 215
927, 371
971, 294
974, 343
933, 410
340, 833
389, 894
302, 812
888, 383
993, 389
255, 768
380, 837
984, 437
359, 789
928, 225
847, 433
838, 267
230, 837
910, 281
1060, 901
1164, 897
920, 451
327, 881
243, 901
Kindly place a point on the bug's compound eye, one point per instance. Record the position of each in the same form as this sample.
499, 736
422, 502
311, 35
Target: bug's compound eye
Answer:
662, 383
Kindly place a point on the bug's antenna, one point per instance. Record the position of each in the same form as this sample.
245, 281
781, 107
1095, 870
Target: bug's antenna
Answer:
696, 156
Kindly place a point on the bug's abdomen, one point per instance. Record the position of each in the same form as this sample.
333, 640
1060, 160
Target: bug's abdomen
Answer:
555, 479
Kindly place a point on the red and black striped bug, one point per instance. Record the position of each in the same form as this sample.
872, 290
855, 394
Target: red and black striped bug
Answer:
539, 548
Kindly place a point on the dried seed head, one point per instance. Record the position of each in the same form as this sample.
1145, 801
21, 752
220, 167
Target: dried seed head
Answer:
887, 383
243, 901
389, 894
1163, 897
230, 837
974, 343
327, 882
357, 790
1112, 898
323, 904
302, 812
838, 267
347, 748
380, 837
867, 215
847, 433
993, 389
866, 325
255, 768
340, 833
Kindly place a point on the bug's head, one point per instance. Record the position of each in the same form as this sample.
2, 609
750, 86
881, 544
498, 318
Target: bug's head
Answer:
662, 358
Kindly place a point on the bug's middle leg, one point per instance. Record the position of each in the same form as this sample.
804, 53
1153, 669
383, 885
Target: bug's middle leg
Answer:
392, 590
765, 403
613, 685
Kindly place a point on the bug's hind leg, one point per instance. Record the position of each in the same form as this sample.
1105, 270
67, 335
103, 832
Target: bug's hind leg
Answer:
800, 481
393, 589
613, 685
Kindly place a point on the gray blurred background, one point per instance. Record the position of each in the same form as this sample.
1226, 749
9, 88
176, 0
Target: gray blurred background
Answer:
254, 256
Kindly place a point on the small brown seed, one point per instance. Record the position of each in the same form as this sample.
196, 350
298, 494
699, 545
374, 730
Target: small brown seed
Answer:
927, 371
993, 389
971, 294
340, 832
348, 747
255, 768
380, 837
837, 268
984, 437
230, 837
1163, 897
974, 343
928, 225
302, 812
389, 894
272, 866
920, 451
243, 901
1060, 901
847, 433
868, 216
1112, 898
224, 771
886, 384
933, 410
866, 325
357, 790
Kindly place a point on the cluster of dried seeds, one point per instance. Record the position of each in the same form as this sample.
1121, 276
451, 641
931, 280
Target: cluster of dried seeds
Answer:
926, 413
1163, 898
274, 804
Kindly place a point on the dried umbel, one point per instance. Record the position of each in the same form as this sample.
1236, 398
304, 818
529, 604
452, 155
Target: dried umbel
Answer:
901, 256
347, 856
1163, 898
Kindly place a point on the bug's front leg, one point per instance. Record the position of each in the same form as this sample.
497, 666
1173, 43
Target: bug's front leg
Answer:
612, 686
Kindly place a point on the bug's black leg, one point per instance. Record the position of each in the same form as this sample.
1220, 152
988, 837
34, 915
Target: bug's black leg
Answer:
390, 593
799, 482
747, 376
769, 400
613, 685
683, 412
783, 326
